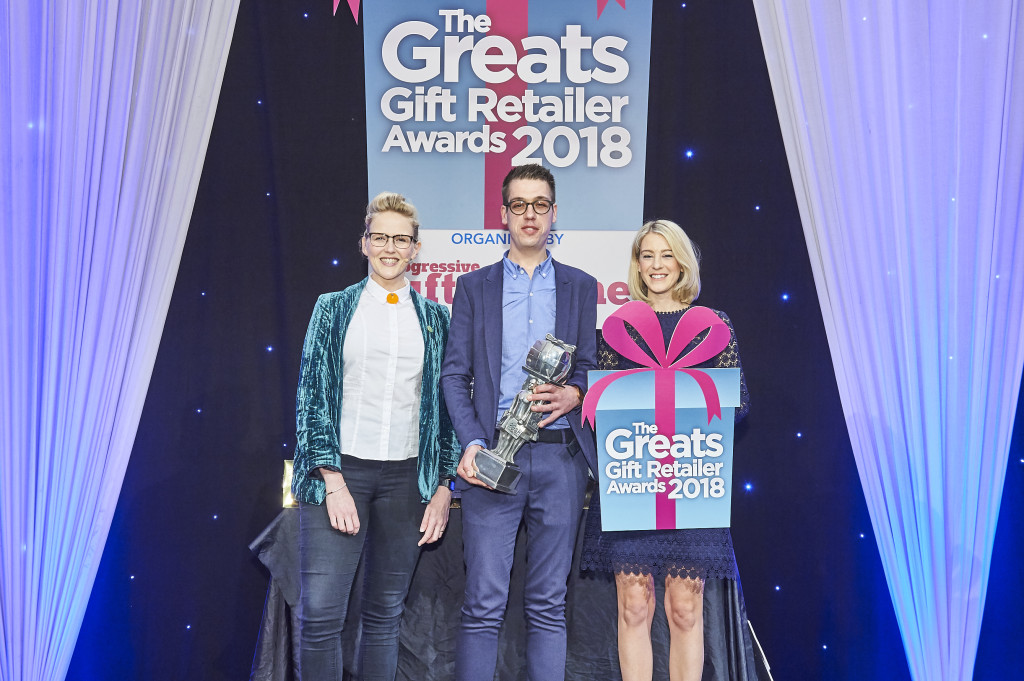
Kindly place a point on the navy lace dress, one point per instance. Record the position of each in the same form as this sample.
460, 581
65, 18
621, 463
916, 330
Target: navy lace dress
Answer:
697, 553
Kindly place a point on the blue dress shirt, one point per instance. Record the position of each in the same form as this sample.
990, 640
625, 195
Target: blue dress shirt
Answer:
527, 315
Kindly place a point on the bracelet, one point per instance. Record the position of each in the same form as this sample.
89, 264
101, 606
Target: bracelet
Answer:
343, 486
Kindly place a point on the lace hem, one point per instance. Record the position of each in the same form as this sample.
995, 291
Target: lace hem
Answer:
704, 553
708, 568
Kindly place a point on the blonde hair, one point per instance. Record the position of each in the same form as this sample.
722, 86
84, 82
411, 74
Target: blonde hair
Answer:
687, 288
395, 203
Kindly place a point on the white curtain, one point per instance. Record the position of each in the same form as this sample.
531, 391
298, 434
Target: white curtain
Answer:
904, 126
105, 112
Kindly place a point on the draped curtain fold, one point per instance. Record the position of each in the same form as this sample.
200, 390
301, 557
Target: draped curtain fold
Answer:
105, 113
902, 124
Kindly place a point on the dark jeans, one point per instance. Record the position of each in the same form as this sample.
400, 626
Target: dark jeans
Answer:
388, 503
550, 502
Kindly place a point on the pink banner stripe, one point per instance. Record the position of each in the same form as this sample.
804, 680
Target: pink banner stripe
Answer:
510, 19
601, 4
353, 5
665, 419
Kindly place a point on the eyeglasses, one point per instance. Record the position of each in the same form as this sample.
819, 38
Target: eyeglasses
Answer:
380, 239
518, 206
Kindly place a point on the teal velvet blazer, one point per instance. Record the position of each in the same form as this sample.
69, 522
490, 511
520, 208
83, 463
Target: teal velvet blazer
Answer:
318, 401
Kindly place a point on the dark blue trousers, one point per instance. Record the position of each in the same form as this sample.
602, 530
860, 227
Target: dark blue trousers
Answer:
550, 502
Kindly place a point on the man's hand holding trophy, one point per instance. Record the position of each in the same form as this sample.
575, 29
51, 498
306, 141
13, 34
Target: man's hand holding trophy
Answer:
548, 361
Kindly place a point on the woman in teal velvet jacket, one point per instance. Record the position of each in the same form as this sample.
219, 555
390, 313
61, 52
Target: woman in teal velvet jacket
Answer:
376, 450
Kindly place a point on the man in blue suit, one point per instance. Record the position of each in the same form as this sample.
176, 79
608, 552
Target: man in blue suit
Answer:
498, 313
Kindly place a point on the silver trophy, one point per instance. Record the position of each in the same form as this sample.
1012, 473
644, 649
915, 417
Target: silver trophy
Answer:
549, 361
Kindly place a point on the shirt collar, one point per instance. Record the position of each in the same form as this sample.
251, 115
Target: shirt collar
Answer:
545, 269
380, 294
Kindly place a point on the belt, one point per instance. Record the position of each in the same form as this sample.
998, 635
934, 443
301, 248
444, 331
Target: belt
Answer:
558, 436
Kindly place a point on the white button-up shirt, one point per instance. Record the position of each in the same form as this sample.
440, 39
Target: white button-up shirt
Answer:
382, 370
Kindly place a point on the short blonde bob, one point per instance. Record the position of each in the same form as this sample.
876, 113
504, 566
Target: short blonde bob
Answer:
687, 288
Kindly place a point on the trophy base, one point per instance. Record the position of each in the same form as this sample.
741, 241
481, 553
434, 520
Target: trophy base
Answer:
500, 474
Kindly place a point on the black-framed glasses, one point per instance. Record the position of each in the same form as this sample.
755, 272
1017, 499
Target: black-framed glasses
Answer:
519, 206
380, 239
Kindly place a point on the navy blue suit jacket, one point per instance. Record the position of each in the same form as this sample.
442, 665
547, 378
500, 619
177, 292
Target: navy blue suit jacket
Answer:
471, 371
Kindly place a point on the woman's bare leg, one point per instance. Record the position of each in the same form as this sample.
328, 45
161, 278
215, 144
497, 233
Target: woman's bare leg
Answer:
684, 608
636, 613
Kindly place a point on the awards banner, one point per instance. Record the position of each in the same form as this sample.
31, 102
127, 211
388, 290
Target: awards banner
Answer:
664, 448
459, 92
447, 254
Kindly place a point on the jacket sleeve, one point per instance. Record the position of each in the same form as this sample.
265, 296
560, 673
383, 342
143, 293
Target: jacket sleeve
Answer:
586, 342
457, 368
316, 427
450, 450
730, 359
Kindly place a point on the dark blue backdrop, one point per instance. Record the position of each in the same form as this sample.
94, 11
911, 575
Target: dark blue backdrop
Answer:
178, 595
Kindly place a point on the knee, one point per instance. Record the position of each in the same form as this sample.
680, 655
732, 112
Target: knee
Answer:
634, 612
481, 623
318, 603
379, 616
545, 610
683, 613
384, 595
635, 604
481, 613
320, 623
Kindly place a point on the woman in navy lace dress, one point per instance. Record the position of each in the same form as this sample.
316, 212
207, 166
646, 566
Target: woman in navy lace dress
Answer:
664, 273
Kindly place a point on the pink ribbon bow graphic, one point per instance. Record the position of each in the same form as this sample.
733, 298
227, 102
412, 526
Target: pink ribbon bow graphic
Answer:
664, 364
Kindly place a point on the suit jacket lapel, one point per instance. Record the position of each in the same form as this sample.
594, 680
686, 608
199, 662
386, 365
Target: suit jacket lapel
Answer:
492, 299
563, 301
